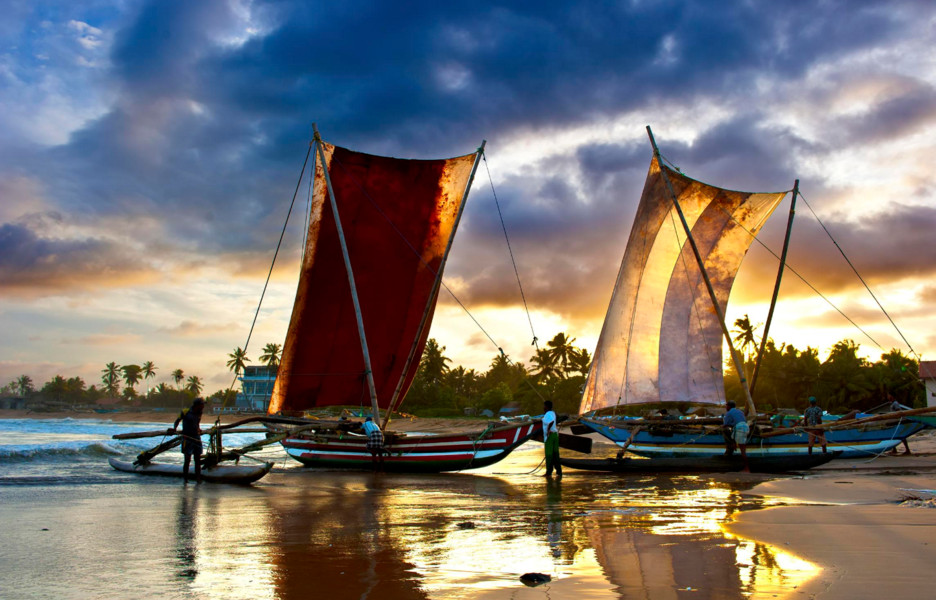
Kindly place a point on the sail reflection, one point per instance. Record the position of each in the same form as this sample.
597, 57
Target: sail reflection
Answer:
364, 535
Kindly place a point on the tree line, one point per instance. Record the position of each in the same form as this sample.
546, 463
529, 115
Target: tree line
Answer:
557, 372
74, 391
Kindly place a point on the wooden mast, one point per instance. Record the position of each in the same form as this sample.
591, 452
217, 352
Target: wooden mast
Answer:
739, 365
776, 291
435, 289
347, 261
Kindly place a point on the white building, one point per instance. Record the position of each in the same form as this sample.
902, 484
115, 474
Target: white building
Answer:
928, 375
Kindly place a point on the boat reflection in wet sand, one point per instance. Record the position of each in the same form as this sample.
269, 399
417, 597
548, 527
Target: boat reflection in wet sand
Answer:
359, 535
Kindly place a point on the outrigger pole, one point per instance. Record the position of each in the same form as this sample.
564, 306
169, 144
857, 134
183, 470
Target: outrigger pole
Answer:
435, 288
776, 290
739, 365
347, 260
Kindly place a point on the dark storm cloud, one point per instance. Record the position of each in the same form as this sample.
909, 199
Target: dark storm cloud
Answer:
885, 247
28, 262
209, 132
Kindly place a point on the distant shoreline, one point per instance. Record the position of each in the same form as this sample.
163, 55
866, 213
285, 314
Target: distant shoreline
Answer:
427, 425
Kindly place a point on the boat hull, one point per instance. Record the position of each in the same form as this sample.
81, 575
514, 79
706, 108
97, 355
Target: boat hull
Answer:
235, 474
852, 443
413, 453
712, 464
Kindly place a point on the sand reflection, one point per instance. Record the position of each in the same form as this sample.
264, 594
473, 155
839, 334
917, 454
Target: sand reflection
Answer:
364, 535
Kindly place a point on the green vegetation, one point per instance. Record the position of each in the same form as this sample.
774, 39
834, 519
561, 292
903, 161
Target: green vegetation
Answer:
787, 377
558, 374
843, 382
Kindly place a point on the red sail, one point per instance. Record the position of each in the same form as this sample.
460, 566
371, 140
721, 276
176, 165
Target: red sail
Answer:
397, 216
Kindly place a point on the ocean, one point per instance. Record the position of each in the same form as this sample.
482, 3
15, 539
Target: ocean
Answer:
72, 527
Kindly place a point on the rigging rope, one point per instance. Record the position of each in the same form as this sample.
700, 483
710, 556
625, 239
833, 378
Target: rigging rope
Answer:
803, 279
860, 278
510, 250
275, 254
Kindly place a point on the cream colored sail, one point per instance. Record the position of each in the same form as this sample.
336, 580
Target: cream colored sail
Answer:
661, 340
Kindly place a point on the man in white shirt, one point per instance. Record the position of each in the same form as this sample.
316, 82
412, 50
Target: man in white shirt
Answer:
551, 439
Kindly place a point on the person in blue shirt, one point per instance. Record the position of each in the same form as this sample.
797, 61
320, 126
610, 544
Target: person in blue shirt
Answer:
551, 439
812, 417
736, 432
375, 442
191, 437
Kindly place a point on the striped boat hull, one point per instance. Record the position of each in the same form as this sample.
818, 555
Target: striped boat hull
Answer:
413, 453
853, 443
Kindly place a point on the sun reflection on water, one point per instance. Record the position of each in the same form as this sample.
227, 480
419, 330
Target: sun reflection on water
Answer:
471, 536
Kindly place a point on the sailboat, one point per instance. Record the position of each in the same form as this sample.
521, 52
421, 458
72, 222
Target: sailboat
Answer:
663, 333
379, 235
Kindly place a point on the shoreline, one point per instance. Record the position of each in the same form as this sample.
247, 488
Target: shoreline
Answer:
846, 517
407, 424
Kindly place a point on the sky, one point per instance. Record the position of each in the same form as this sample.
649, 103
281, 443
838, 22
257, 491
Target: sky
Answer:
149, 151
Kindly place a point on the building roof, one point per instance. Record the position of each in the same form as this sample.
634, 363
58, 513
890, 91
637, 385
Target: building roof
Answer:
928, 369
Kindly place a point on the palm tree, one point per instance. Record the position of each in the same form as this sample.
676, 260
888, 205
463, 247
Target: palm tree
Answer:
581, 362
194, 385
131, 375
544, 364
562, 352
178, 376
25, 384
238, 360
271, 355
745, 334
434, 364
111, 378
149, 371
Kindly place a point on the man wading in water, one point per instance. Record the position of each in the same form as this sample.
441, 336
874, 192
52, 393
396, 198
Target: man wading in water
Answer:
191, 437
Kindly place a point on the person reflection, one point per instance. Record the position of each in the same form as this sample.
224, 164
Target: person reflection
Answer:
185, 536
554, 518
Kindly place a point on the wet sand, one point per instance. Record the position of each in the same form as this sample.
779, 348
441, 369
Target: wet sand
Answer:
838, 532
848, 517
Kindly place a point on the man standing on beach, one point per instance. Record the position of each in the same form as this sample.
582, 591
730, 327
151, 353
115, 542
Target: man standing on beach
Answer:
191, 437
375, 442
551, 439
736, 432
812, 417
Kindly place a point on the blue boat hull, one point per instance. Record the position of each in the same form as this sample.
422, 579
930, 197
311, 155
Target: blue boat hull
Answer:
853, 443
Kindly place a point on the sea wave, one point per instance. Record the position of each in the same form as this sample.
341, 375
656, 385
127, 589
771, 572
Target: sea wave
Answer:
24, 452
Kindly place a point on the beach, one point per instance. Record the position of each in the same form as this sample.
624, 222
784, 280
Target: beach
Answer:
74, 528
859, 520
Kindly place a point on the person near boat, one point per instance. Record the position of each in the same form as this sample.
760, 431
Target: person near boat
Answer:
551, 439
375, 442
812, 417
736, 432
896, 406
190, 418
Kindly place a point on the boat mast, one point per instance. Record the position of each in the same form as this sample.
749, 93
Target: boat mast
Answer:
776, 290
347, 261
435, 288
739, 365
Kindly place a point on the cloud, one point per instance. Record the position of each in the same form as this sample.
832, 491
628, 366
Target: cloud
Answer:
105, 339
33, 265
191, 329
168, 135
